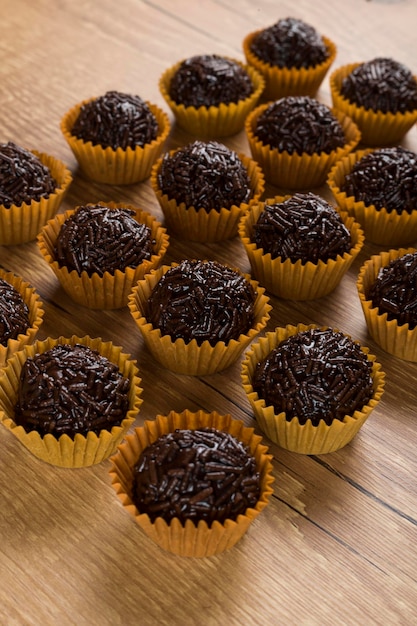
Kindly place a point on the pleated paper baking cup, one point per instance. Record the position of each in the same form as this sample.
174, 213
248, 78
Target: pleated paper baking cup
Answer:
80, 451
281, 82
110, 291
116, 167
190, 539
21, 223
396, 339
291, 435
294, 280
36, 313
191, 358
213, 121
380, 226
297, 171
198, 224
377, 128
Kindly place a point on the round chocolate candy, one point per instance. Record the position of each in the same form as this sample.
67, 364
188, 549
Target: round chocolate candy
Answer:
14, 313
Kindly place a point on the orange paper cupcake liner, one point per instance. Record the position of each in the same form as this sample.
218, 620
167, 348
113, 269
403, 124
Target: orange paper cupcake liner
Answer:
116, 167
190, 539
80, 451
291, 435
110, 291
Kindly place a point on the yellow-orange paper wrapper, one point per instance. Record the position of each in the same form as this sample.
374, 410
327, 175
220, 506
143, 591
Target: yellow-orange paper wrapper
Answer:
289, 81
36, 313
380, 226
198, 224
65, 451
377, 128
22, 223
291, 435
116, 167
110, 291
396, 339
191, 358
297, 171
190, 539
213, 121
294, 280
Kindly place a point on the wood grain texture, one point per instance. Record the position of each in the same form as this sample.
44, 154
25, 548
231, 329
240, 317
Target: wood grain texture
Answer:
337, 544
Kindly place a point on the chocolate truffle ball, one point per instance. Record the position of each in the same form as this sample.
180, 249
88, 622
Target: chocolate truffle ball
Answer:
14, 313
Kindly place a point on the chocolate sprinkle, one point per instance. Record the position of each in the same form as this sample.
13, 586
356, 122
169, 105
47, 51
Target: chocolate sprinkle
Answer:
304, 227
116, 120
315, 375
386, 177
299, 124
209, 80
23, 177
69, 390
14, 313
202, 300
381, 85
99, 239
205, 176
202, 474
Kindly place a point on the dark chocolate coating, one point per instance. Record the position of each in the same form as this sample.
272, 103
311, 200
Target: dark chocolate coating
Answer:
98, 239
208, 80
315, 375
394, 291
202, 474
69, 390
23, 177
202, 300
290, 43
381, 85
299, 124
304, 227
205, 175
386, 177
14, 313
116, 120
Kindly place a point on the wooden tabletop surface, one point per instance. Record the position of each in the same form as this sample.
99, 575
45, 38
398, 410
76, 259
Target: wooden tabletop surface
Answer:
337, 543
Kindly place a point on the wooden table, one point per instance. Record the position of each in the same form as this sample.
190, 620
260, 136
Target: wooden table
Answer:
337, 544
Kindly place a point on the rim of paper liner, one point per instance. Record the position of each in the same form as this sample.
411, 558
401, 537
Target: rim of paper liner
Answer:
80, 451
120, 166
213, 121
298, 171
377, 128
190, 539
200, 225
398, 340
110, 291
191, 358
21, 223
36, 313
304, 439
281, 82
294, 280
380, 226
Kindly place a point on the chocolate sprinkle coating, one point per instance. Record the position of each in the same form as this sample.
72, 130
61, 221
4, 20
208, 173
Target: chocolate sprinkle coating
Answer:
299, 124
202, 300
208, 80
205, 176
304, 227
116, 120
23, 177
381, 85
202, 474
99, 239
394, 291
315, 375
386, 177
290, 43
69, 390
14, 313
